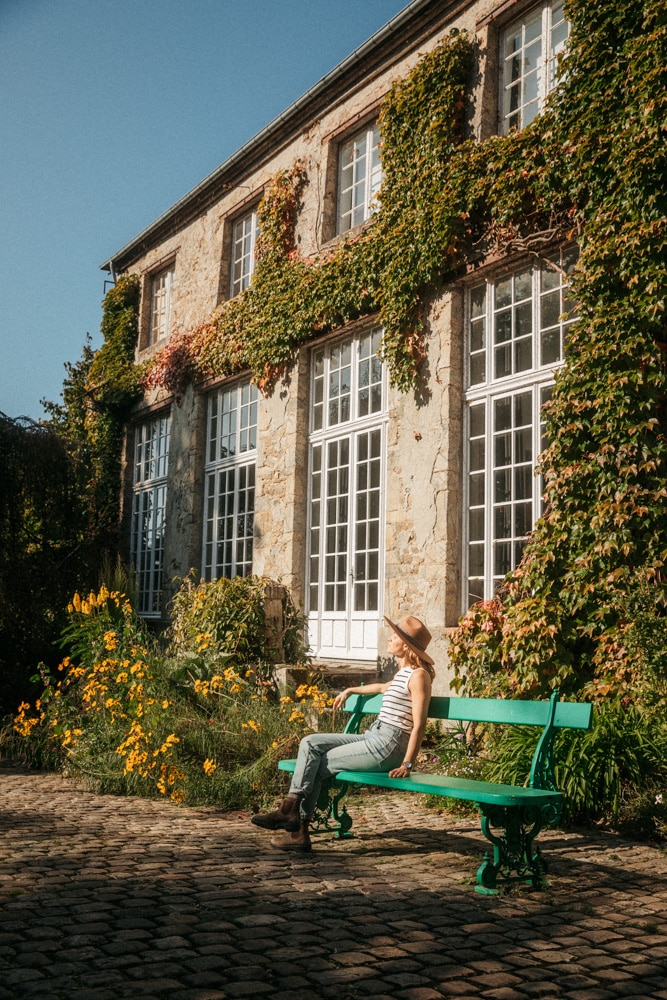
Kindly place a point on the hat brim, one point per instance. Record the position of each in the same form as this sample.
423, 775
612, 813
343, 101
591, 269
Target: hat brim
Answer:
409, 642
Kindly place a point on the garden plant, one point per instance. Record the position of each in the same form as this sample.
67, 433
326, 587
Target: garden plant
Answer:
201, 722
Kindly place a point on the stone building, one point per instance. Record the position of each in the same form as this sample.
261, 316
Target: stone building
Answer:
363, 500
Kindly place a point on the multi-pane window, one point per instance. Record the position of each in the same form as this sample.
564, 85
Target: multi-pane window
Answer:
151, 457
359, 177
346, 499
229, 489
516, 331
530, 49
244, 236
161, 291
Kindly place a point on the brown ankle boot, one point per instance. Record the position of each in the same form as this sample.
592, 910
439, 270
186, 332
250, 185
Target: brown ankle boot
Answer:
298, 840
285, 817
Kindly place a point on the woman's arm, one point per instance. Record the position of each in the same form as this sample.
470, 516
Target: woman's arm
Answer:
419, 687
341, 698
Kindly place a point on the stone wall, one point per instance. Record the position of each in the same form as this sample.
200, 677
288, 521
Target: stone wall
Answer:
282, 466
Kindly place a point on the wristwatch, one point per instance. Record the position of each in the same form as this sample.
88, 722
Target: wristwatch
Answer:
408, 764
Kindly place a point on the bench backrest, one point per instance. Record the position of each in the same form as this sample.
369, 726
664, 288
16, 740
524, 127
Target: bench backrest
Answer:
568, 714
551, 715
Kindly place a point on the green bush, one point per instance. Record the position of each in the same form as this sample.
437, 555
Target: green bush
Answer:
224, 621
603, 773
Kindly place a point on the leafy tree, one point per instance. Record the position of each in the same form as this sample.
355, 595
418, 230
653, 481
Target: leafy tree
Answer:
59, 495
40, 549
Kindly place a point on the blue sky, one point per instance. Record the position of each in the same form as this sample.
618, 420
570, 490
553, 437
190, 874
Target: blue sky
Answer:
109, 113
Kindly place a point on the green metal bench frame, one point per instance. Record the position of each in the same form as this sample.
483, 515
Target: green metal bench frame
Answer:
511, 816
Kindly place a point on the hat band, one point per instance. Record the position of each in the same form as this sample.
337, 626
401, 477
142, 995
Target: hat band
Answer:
409, 638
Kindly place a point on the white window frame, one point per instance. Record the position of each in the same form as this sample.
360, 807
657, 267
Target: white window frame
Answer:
527, 75
229, 481
244, 237
504, 424
346, 498
359, 177
149, 502
162, 284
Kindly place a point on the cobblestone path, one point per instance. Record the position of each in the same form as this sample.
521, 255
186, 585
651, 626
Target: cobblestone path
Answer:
103, 898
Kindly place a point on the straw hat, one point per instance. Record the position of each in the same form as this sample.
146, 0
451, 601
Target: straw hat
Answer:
414, 634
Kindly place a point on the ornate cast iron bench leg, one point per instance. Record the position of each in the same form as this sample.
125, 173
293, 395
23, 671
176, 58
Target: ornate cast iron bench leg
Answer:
329, 807
340, 813
514, 855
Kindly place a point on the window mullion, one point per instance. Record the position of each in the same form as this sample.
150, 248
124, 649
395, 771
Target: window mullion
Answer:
537, 492
546, 52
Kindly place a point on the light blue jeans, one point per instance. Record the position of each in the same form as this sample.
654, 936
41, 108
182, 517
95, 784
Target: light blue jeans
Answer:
322, 755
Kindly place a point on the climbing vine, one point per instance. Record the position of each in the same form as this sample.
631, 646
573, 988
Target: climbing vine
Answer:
569, 615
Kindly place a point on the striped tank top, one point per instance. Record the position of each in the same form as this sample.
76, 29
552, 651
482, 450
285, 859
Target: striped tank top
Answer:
396, 708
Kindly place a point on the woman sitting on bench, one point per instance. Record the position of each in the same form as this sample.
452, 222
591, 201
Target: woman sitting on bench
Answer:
390, 744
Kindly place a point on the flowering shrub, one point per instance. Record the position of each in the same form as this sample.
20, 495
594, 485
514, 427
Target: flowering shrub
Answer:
224, 621
119, 716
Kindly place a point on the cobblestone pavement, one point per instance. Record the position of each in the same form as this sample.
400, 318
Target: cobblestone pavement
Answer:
103, 898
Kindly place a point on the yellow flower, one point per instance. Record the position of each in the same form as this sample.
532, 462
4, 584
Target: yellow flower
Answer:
171, 740
204, 640
22, 725
110, 640
209, 767
165, 703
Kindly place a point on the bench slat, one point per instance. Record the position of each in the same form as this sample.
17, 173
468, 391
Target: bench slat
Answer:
439, 784
570, 715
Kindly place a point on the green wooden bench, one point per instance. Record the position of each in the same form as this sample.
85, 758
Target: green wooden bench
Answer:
511, 816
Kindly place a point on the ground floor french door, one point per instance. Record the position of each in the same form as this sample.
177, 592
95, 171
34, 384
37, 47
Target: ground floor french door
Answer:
346, 535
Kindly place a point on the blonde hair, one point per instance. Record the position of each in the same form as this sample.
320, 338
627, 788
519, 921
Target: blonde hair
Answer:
415, 661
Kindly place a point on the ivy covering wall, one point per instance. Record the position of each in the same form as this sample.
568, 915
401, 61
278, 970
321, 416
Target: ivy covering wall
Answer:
586, 608
591, 168
97, 395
